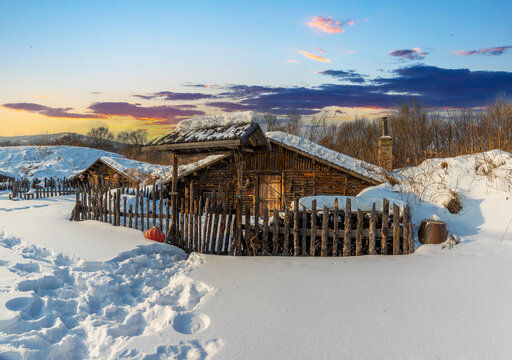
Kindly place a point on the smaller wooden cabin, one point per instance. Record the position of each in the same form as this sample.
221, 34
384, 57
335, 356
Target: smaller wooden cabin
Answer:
119, 171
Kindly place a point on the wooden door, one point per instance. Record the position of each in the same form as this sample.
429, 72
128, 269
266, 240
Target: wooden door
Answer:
270, 192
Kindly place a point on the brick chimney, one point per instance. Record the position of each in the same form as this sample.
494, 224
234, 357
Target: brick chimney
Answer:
385, 147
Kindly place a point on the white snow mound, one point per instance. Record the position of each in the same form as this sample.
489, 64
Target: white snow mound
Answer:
224, 119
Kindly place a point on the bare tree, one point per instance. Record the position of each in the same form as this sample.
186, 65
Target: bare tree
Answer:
135, 137
100, 137
293, 125
271, 121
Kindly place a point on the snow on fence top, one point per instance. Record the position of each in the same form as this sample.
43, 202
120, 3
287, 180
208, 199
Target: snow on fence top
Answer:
338, 159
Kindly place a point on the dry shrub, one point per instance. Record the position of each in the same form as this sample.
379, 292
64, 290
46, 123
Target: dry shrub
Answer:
444, 165
454, 205
452, 242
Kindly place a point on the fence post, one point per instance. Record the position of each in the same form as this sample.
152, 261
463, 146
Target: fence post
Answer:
296, 227
371, 241
148, 214
335, 236
304, 233
359, 234
286, 242
384, 229
325, 229
396, 230
125, 212
347, 241
221, 238
215, 226
312, 245
275, 232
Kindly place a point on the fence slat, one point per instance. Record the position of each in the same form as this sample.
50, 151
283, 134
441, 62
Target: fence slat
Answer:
348, 226
384, 227
216, 215
286, 242
275, 233
296, 227
359, 235
335, 238
371, 241
222, 229
396, 230
264, 240
312, 245
227, 241
325, 227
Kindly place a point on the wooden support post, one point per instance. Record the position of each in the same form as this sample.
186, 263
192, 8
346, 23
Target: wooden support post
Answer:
312, 245
197, 211
142, 211
396, 230
335, 236
371, 240
247, 241
109, 206
359, 233
167, 216
304, 247
325, 230
296, 226
347, 241
130, 218
384, 229
411, 236
186, 215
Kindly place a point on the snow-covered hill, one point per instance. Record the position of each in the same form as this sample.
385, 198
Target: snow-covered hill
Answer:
62, 161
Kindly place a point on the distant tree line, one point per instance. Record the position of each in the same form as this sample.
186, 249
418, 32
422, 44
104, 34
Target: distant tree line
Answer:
418, 133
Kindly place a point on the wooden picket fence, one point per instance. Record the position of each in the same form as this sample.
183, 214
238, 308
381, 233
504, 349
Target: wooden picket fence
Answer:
23, 189
216, 225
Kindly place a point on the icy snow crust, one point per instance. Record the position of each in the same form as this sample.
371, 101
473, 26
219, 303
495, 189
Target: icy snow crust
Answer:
361, 167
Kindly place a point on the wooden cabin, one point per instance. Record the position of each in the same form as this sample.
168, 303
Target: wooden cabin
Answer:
274, 167
292, 167
119, 171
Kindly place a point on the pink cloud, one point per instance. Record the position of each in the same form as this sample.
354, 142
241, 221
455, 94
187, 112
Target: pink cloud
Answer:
493, 51
350, 22
320, 50
326, 25
293, 61
314, 57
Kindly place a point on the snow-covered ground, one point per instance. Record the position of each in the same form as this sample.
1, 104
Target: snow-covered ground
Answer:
72, 290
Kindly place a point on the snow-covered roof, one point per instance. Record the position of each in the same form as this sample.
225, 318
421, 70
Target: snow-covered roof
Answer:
212, 134
135, 170
218, 120
222, 132
357, 167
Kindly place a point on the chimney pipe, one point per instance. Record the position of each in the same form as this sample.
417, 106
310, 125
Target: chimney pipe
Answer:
385, 147
385, 126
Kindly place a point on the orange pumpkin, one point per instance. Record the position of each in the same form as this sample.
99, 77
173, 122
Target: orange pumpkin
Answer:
154, 234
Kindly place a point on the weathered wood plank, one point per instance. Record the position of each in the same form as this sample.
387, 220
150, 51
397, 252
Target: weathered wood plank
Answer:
335, 237
396, 230
347, 242
371, 241
312, 245
296, 214
384, 227
325, 227
359, 234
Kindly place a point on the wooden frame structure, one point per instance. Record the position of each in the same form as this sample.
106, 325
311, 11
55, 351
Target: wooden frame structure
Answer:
238, 139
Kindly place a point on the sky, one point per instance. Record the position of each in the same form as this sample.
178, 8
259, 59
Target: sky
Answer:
73, 65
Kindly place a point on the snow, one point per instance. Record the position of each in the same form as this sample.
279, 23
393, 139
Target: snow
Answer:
346, 162
218, 120
90, 290
136, 170
47, 161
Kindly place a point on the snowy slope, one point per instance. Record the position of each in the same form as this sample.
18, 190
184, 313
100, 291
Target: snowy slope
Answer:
47, 161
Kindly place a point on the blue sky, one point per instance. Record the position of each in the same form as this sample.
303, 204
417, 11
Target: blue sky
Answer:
88, 58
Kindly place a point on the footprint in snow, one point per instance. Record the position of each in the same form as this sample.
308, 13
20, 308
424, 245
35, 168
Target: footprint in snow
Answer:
86, 309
